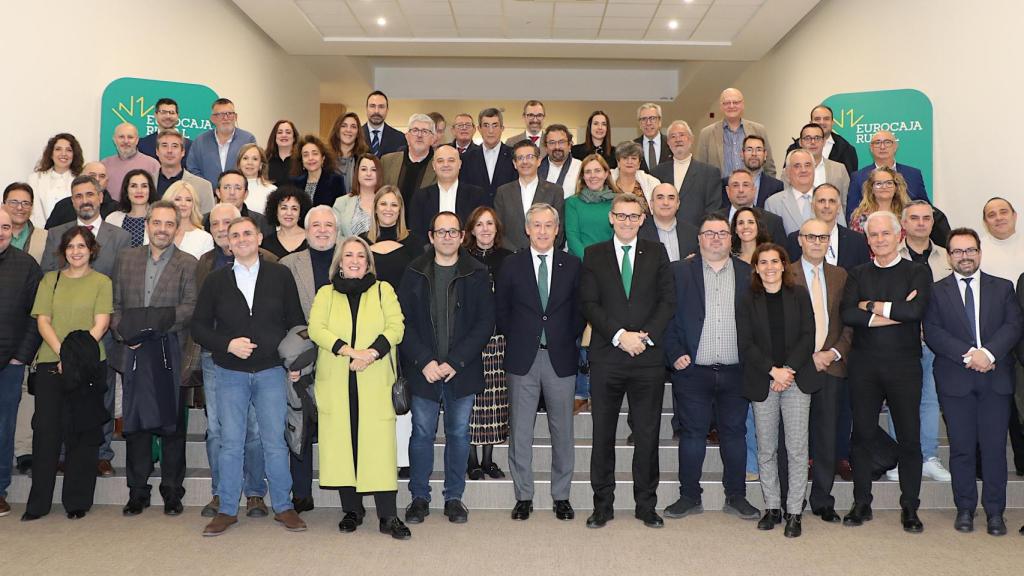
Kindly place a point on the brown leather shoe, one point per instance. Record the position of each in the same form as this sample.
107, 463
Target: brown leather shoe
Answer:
104, 469
844, 470
255, 507
291, 521
219, 525
5, 508
579, 405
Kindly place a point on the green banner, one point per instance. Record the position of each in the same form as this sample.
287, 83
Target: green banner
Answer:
134, 100
905, 113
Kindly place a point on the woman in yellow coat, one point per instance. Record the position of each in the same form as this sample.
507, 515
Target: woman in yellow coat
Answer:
357, 323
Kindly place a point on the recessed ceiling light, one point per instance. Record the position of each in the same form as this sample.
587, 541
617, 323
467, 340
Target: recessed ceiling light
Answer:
673, 24
687, 1
382, 21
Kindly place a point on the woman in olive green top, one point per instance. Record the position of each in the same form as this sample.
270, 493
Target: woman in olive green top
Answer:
73, 298
586, 213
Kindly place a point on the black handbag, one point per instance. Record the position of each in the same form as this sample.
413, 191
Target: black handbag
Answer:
401, 398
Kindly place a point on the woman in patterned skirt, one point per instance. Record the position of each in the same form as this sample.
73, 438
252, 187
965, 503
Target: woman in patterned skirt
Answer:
488, 425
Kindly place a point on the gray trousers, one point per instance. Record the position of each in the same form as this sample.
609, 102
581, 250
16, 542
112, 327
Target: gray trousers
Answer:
794, 407
524, 394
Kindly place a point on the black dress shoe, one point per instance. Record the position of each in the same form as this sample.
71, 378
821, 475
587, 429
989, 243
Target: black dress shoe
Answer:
827, 514
303, 504
996, 526
475, 473
135, 506
403, 473
26, 517
859, 514
350, 522
76, 514
492, 471
563, 510
964, 521
771, 517
173, 507
683, 507
599, 518
417, 511
793, 528
395, 527
650, 519
456, 511
522, 509
911, 523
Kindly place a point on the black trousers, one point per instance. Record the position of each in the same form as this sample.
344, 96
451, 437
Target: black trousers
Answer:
897, 383
139, 459
644, 386
352, 501
824, 415
48, 433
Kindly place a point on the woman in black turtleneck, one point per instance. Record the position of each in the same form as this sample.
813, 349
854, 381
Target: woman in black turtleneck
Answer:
488, 424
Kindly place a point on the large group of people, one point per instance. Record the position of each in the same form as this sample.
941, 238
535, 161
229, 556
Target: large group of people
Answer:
308, 286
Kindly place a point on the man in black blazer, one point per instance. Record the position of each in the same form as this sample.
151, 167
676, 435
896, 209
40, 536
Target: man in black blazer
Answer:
626, 294
463, 130
651, 140
741, 190
537, 311
677, 235
515, 198
841, 150
491, 165
972, 324
382, 138
447, 195
846, 248
699, 184
702, 349
753, 160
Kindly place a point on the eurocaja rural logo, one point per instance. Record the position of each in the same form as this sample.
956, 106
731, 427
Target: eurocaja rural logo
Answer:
134, 100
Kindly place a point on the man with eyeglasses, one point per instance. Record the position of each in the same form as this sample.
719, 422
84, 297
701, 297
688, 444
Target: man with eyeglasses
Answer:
835, 147
720, 144
698, 183
166, 113
627, 295
64, 210
883, 149
651, 140
18, 199
381, 136
216, 150
233, 188
412, 168
463, 130
812, 139
448, 194
514, 199
449, 317
127, 158
559, 167
533, 116
740, 192
491, 165
702, 351
846, 248
753, 161
973, 324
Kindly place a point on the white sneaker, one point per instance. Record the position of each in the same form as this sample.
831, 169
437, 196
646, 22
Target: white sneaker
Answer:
893, 475
934, 469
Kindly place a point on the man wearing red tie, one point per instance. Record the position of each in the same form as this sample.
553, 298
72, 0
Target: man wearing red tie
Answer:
533, 116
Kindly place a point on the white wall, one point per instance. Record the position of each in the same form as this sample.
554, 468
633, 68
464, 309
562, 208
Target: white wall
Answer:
61, 54
961, 54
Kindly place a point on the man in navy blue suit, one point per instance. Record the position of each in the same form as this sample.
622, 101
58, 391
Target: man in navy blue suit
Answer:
883, 153
753, 160
537, 311
490, 165
381, 136
972, 324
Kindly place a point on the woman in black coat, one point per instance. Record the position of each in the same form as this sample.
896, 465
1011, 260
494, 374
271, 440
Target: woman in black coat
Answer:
775, 332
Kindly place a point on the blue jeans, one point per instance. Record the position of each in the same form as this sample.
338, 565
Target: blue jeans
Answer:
10, 396
265, 391
583, 379
425, 413
929, 408
252, 467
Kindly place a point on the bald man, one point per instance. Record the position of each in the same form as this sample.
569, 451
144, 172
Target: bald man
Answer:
883, 147
126, 138
721, 143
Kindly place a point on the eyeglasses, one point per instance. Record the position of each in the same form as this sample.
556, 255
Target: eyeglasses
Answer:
649, 119
816, 238
812, 139
883, 183
711, 234
24, 204
224, 114
960, 253
534, 116
553, 143
882, 143
421, 131
622, 217
447, 233
463, 125
731, 102
525, 157
166, 112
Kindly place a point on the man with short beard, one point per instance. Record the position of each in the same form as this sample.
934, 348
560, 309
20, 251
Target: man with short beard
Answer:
64, 211
126, 138
411, 167
753, 161
559, 167
382, 138
216, 150
166, 113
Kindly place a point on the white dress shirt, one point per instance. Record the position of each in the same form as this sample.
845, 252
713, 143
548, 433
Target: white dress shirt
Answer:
832, 254
652, 162
809, 277
528, 191
976, 291
819, 172
826, 150
222, 150
446, 198
619, 255
245, 279
490, 158
536, 264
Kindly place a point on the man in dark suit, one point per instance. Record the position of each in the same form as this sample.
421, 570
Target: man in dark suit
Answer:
514, 199
491, 165
154, 279
382, 138
836, 148
448, 194
652, 140
740, 191
825, 283
883, 153
973, 324
626, 294
166, 113
699, 184
707, 378
537, 311
233, 188
677, 235
846, 248
463, 129
753, 160
64, 210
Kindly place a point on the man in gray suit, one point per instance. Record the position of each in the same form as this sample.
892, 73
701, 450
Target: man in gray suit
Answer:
812, 139
721, 143
514, 199
795, 204
86, 196
699, 185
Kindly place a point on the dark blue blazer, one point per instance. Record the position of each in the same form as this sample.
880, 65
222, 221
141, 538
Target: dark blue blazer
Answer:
329, 188
853, 248
474, 170
766, 188
519, 316
391, 139
683, 333
947, 333
147, 145
915, 185
426, 204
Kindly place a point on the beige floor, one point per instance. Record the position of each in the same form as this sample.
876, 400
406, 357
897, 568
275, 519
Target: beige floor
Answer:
106, 543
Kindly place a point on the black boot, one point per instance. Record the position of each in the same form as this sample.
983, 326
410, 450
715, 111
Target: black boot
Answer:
473, 469
489, 467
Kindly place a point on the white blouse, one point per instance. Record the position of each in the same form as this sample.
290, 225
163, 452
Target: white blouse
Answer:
48, 188
196, 242
258, 192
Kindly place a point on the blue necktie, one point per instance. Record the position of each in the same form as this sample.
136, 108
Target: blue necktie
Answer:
969, 309
375, 143
542, 287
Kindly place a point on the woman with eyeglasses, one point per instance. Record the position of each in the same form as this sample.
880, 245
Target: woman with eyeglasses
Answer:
282, 146
137, 192
348, 144
885, 189
586, 213
775, 335
252, 163
598, 140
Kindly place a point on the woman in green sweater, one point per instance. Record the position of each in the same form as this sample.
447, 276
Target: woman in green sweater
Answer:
586, 213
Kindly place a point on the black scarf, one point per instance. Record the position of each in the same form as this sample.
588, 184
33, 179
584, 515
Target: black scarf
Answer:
353, 285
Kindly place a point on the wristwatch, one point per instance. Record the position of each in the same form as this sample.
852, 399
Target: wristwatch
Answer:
871, 306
